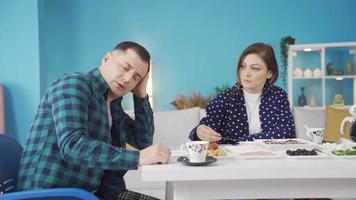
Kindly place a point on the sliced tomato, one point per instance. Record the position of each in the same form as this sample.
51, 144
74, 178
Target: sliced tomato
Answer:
213, 145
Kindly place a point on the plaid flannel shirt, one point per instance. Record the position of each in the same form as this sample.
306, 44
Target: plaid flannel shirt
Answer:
71, 144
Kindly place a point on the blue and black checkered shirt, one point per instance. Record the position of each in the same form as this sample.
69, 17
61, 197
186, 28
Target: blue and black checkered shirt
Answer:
71, 143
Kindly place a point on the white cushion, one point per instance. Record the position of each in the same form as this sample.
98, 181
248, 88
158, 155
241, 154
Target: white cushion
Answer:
202, 113
311, 117
172, 127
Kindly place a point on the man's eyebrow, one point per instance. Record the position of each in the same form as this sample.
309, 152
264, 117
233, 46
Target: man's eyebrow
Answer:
128, 64
138, 74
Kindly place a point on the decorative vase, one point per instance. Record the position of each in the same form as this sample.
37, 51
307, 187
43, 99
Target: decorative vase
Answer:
302, 100
313, 101
329, 69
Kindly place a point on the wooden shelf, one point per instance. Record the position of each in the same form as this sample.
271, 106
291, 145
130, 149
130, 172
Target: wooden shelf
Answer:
318, 56
296, 78
342, 76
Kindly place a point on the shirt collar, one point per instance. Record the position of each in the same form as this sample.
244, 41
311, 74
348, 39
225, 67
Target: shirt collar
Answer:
99, 82
246, 93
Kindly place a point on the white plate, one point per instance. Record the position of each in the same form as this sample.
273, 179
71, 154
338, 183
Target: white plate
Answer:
272, 156
301, 144
245, 147
298, 141
343, 157
329, 147
239, 150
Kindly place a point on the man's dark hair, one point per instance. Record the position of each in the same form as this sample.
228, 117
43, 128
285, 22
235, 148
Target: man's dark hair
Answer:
139, 49
266, 53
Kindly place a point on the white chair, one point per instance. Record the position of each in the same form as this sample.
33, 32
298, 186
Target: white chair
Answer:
309, 116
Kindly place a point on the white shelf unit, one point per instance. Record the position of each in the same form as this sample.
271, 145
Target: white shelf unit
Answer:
328, 52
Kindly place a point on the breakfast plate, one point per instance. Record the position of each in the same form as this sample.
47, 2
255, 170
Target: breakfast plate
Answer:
259, 155
344, 150
346, 153
284, 144
252, 151
343, 156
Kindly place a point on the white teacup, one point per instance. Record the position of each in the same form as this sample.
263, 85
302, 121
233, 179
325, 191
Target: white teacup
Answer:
315, 134
196, 150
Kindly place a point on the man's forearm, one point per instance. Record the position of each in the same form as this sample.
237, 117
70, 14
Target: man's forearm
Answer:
143, 124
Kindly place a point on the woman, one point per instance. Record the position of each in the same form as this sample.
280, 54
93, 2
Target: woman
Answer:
252, 109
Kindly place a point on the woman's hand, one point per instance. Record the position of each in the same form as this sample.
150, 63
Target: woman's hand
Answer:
207, 134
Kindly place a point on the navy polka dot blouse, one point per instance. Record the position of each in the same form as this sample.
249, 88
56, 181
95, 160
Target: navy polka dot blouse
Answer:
227, 115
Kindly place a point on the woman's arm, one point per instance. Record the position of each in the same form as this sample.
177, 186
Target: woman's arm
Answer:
211, 126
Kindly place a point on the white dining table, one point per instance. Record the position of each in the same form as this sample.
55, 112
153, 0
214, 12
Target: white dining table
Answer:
234, 177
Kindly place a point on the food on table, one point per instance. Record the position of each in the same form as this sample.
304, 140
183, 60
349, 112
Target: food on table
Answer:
213, 145
345, 152
214, 150
343, 149
330, 146
279, 141
301, 152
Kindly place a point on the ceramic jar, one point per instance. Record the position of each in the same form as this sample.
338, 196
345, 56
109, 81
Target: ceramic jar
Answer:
317, 72
308, 73
297, 72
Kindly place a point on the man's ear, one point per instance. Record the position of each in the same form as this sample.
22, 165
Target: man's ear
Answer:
106, 58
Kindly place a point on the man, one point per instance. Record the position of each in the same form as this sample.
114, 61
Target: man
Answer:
80, 130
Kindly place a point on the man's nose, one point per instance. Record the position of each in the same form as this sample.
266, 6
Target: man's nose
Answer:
128, 78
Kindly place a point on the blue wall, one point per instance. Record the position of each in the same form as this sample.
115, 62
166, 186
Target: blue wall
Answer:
194, 43
19, 64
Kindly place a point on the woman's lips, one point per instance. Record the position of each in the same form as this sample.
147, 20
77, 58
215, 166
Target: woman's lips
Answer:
246, 81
